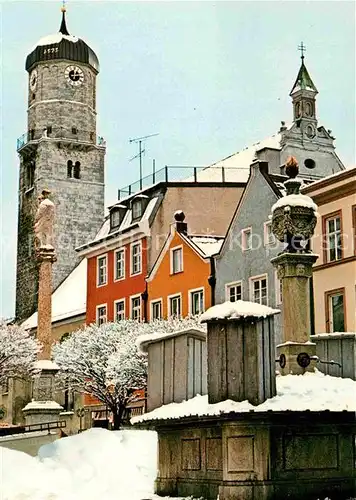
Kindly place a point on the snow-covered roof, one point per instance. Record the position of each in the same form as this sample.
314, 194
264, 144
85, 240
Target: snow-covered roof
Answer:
238, 309
54, 38
69, 299
125, 225
208, 245
342, 173
238, 164
295, 200
311, 391
143, 341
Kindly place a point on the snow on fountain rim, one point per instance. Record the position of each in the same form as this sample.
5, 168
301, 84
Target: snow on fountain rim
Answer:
311, 391
295, 200
238, 309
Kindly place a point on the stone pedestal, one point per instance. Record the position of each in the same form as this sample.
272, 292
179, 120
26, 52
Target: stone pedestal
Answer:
43, 408
295, 271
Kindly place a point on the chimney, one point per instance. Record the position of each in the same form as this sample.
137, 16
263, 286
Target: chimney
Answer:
180, 225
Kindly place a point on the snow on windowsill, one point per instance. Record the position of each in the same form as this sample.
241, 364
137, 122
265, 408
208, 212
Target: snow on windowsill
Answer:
295, 200
311, 391
238, 309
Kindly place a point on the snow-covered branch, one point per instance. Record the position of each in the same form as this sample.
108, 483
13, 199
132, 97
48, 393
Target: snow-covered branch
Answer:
18, 351
104, 361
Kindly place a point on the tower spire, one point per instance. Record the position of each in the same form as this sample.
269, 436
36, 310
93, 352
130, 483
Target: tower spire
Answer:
63, 27
303, 80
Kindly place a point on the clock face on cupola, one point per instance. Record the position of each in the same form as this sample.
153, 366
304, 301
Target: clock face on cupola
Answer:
74, 75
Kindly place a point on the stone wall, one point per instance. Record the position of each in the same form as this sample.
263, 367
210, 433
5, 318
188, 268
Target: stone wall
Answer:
258, 456
29, 443
79, 205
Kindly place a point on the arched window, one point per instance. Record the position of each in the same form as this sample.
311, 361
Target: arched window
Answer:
77, 170
69, 168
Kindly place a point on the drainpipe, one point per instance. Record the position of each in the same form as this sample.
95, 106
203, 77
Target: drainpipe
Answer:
144, 296
212, 280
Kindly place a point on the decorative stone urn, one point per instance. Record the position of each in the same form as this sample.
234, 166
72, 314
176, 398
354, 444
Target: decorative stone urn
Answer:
293, 222
293, 216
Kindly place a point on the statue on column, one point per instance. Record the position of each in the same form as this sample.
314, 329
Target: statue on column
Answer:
44, 221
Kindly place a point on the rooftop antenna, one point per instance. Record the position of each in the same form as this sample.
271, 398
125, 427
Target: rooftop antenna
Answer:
140, 151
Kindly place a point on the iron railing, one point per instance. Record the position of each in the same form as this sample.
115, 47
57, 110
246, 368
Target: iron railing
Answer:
52, 132
22, 429
182, 174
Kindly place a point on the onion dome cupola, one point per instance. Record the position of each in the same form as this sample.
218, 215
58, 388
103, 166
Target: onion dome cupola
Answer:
62, 45
303, 93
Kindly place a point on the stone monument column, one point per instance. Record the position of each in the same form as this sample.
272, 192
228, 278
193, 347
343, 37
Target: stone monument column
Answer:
43, 408
293, 222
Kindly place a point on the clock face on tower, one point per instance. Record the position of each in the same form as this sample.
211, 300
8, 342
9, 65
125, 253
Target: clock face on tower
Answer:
74, 75
33, 80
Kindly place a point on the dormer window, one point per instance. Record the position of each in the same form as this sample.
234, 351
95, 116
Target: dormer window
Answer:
138, 206
117, 215
136, 209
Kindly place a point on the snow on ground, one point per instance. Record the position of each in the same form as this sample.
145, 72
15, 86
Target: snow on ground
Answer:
94, 465
311, 391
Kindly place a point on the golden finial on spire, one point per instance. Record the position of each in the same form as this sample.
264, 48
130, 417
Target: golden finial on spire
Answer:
63, 8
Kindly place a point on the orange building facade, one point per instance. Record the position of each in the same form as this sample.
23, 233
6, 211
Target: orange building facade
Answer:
181, 280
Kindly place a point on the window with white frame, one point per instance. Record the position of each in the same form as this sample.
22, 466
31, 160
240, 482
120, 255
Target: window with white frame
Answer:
176, 260
136, 209
136, 308
196, 298
234, 291
101, 270
119, 309
119, 266
258, 290
333, 237
136, 259
156, 309
279, 289
246, 235
269, 237
101, 315
175, 306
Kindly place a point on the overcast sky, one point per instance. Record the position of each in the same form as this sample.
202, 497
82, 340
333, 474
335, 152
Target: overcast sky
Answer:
209, 77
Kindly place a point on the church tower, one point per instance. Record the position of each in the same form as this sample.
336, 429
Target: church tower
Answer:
61, 152
306, 139
303, 96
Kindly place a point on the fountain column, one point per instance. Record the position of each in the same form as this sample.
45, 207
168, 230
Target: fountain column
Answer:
293, 222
